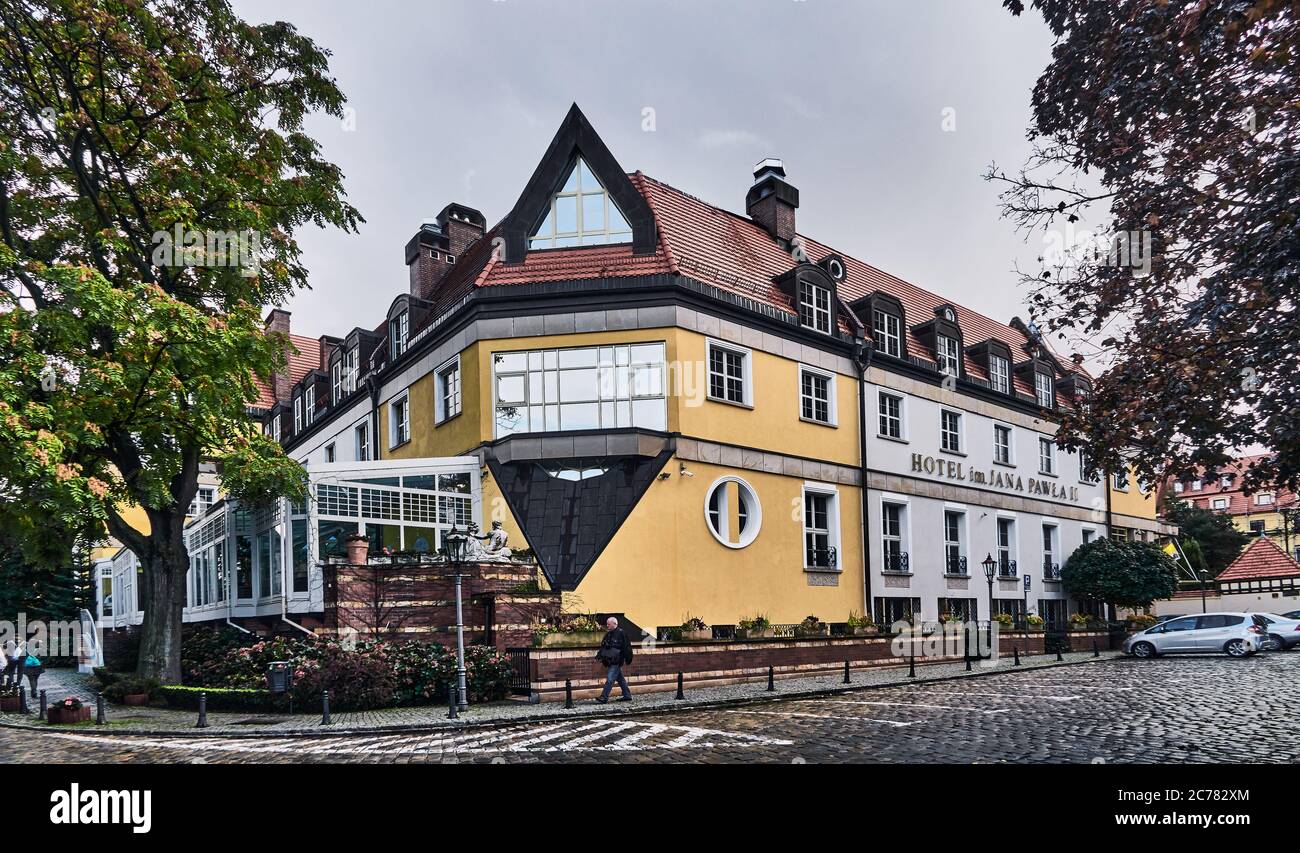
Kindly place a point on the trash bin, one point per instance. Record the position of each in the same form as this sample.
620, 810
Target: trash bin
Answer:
279, 677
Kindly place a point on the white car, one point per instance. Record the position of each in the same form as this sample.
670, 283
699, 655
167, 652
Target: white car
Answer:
1236, 634
1283, 633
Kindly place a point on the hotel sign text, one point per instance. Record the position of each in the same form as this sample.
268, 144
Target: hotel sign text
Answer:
993, 478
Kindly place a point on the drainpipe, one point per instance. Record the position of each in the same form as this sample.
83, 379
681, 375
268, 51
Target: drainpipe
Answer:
862, 360
373, 383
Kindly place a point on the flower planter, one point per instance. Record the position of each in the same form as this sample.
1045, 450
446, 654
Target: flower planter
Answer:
61, 716
864, 631
10, 704
570, 638
812, 633
358, 551
755, 633
696, 636
136, 699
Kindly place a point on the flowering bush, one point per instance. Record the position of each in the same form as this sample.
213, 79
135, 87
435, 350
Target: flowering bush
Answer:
1080, 620
356, 681
568, 625
693, 623
70, 703
1004, 619
1034, 620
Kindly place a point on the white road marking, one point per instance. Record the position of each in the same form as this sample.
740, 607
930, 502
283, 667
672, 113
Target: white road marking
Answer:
1007, 695
916, 705
896, 723
632, 740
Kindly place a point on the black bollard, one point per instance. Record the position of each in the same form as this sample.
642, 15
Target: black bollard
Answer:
325, 707
968, 662
203, 712
568, 693
1096, 652
99, 709
681, 692
1058, 652
1015, 651
771, 679
452, 710
22, 698
911, 663
847, 680
44, 705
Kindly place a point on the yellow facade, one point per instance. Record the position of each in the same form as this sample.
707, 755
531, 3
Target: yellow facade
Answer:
1134, 511
664, 564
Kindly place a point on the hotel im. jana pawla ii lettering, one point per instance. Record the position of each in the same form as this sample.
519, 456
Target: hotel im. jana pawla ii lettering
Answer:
677, 410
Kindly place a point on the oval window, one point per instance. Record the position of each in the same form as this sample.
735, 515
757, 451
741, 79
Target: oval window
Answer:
732, 512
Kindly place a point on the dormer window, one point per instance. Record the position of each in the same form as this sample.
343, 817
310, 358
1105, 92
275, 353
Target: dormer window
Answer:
350, 371
309, 403
336, 380
397, 334
815, 307
581, 214
946, 353
297, 414
1043, 390
887, 330
999, 374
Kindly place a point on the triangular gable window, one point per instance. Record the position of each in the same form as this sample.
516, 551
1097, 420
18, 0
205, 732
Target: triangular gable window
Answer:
581, 214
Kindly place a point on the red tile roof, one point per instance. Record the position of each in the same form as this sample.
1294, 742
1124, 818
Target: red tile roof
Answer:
306, 358
1239, 503
724, 249
1261, 559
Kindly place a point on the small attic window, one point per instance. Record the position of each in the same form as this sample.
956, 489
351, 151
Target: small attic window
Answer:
581, 214
815, 307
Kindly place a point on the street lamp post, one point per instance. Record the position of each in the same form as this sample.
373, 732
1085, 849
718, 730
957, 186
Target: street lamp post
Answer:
990, 567
457, 546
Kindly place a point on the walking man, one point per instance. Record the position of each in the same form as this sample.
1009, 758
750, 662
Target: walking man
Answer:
615, 653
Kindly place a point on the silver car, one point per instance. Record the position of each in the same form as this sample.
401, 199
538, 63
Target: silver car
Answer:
1282, 633
1237, 634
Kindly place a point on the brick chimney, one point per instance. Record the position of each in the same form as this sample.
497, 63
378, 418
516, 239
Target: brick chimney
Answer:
771, 201
462, 225
278, 321
426, 259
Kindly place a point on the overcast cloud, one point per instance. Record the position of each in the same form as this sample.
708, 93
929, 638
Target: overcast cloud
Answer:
456, 100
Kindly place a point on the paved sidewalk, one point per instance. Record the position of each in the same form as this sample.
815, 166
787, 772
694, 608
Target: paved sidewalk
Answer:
164, 721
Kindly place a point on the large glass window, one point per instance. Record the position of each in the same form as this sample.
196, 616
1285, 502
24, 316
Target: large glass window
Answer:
819, 530
1046, 456
891, 538
815, 389
888, 334
298, 530
448, 390
1006, 547
588, 388
728, 374
1002, 444
950, 431
581, 214
891, 416
954, 562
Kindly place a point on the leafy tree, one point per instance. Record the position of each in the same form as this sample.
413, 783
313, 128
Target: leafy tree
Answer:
1195, 557
1212, 533
1126, 574
127, 357
1174, 121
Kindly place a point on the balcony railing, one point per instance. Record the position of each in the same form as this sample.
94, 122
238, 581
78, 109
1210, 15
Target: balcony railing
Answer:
822, 558
1051, 571
955, 566
1006, 568
897, 563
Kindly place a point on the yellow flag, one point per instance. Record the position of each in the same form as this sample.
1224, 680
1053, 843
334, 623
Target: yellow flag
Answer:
1170, 549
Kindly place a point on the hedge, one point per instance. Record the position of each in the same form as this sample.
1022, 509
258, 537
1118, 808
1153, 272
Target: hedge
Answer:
224, 699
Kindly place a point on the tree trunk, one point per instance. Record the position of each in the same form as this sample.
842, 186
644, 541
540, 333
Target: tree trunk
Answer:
162, 592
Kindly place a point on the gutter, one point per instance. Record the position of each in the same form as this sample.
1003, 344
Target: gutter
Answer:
862, 360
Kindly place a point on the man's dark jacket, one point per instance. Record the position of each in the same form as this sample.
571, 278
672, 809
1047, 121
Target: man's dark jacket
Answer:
618, 640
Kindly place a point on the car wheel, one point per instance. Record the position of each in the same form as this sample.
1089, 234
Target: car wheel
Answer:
1273, 643
1237, 649
1144, 650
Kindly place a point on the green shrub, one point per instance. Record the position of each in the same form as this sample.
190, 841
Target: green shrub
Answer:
219, 699
356, 681
130, 686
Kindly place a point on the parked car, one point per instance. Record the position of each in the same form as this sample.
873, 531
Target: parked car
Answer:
1294, 614
1282, 632
1236, 634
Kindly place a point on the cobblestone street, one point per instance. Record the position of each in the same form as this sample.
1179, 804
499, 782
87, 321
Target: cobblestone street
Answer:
1190, 709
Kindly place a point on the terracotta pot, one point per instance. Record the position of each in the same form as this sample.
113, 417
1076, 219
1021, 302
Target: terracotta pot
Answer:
10, 704
61, 716
358, 551
135, 699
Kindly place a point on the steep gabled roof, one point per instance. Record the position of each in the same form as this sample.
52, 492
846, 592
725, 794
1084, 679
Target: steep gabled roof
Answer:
1261, 559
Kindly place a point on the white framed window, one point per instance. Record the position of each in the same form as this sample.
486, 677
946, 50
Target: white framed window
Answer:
891, 415
447, 377
601, 387
361, 438
821, 527
817, 396
1043, 390
815, 307
1006, 546
1219, 503
399, 420
1121, 481
351, 371
204, 498
330, 452
950, 431
397, 334
729, 368
948, 355
732, 512
1002, 444
1050, 565
297, 414
1264, 499
1178, 487
888, 333
954, 548
581, 214
273, 428
309, 404
999, 374
1046, 456
1225, 482
1087, 471
1197, 485
893, 537
336, 380
1088, 535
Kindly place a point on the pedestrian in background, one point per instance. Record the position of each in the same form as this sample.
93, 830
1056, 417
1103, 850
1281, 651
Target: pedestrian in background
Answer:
615, 653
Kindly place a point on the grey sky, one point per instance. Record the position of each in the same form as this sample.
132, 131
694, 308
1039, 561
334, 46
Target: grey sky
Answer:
456, 100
